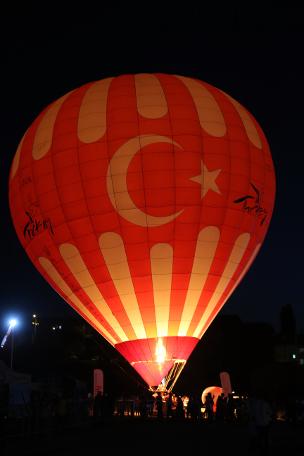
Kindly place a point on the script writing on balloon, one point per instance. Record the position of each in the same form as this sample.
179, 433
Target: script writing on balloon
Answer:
251, 204
35, 226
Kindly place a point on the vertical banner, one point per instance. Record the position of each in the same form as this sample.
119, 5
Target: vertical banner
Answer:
225, 382
98, 381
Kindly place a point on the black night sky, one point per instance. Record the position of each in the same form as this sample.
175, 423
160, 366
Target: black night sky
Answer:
253, 54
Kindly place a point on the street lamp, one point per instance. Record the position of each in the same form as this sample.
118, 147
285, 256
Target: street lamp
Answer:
35, 323
12, 323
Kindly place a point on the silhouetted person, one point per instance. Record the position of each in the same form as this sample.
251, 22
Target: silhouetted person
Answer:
35, 410
261, 416
108, 405
220, 408
169, 405
193, 408
143, 411
180, 414
159, 406
60, 410
230, 406
98, 406
90, 404
292, 410
209, 407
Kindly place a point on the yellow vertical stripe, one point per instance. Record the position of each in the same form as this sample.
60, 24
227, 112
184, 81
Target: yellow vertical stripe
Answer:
75, 263
204, 255
62, 285
208, 110
161, 256
44, 134
234, 260
250, 261
151, 101
113, 251
15, 164
92, 120
248, 123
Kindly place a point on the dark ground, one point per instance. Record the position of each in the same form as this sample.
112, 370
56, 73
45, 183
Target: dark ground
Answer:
136, 436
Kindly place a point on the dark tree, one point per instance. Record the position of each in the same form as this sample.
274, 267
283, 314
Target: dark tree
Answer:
287, 325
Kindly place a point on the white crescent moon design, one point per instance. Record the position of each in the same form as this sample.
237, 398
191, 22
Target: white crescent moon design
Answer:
117, 182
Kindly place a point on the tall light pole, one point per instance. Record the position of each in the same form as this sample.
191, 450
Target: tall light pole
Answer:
35, 323
12, 348
12, 323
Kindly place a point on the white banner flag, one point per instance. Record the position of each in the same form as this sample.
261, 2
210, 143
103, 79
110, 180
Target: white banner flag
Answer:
225, 382
98, 381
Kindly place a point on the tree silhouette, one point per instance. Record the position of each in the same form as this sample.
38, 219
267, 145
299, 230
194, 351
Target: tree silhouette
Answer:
288, 324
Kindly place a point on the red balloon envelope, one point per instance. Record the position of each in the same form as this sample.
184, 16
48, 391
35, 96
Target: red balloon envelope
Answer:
143, 199
215, 392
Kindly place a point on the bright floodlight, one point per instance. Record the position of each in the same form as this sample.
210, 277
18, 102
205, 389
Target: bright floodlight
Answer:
12, 323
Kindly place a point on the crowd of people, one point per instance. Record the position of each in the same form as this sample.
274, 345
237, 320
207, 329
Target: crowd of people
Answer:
167, 405
47, 410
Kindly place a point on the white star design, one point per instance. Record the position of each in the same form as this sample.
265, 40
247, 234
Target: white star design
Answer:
207, 180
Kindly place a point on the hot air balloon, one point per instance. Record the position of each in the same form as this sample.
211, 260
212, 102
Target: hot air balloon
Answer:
215, 392
143, 200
